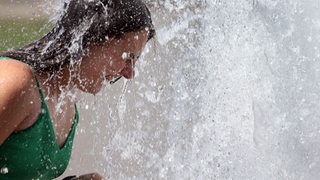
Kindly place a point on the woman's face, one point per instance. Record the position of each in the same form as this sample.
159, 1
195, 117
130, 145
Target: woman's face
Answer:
110, 60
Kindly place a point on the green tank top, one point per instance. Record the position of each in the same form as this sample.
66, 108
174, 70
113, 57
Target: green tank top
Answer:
34, 153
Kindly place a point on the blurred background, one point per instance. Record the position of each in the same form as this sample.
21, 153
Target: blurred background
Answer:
227, 90
22, 21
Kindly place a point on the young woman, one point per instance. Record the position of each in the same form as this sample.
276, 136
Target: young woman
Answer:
94, 40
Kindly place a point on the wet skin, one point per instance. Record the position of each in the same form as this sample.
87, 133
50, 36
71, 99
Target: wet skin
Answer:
101, 61
108, 60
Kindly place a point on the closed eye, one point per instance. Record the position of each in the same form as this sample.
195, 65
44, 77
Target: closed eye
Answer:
115, 80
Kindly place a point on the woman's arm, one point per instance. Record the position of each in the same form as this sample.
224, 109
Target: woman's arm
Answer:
17, 96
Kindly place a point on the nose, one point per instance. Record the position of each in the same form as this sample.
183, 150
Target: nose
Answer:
128, 71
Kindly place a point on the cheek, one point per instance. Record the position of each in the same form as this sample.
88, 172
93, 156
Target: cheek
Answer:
89, 79
90, 73
114, 64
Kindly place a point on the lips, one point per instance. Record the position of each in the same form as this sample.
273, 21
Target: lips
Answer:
115, 80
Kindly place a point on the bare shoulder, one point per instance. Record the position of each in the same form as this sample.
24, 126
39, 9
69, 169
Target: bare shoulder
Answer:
19, 95
16, 78
10, 69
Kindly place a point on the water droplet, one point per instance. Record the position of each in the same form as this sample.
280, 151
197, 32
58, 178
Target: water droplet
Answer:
4, 170
125, 55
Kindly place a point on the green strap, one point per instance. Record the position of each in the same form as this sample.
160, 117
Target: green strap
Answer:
39, 87
4, 58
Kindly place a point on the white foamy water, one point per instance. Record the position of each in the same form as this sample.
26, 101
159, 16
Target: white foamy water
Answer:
228, 90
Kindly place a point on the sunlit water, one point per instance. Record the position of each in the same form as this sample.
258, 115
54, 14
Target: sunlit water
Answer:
227, 90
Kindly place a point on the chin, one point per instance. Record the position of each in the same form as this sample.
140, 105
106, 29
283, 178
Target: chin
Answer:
93, 92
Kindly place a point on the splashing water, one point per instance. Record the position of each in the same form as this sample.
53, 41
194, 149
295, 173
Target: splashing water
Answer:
122, 101
228, 90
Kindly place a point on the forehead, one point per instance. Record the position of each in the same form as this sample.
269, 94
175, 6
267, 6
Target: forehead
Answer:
137, 38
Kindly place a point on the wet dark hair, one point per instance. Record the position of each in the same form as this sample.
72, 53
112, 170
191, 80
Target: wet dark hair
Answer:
84, 22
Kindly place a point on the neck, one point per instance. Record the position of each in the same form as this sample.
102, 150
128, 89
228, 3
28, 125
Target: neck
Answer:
56, 84
59, 94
